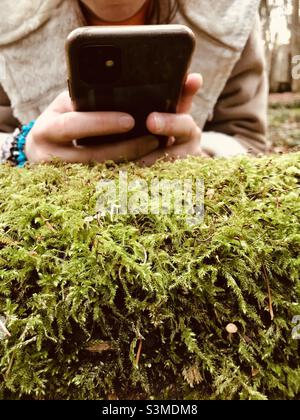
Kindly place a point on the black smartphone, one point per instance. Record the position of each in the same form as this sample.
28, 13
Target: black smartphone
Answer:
132, 69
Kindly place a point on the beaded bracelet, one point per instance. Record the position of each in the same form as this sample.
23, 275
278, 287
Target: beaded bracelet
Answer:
16, 154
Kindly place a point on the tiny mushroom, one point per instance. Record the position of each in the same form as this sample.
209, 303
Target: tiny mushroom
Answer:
232, 329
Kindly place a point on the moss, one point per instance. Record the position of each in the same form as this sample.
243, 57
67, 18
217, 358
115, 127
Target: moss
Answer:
285, 127
139, 306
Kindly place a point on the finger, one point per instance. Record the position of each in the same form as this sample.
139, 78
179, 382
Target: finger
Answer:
119, 152
171, 141
193, 84
180, 126
61, 104
172, 153
66, 127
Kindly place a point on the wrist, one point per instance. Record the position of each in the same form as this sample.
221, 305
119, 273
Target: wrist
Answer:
30, 149
19, 155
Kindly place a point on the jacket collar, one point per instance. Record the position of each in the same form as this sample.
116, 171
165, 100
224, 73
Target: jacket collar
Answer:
225, 21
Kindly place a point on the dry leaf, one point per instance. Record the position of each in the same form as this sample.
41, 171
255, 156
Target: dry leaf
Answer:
210, 193
192, 375
112, 397
4, 333
254, 372
98, 347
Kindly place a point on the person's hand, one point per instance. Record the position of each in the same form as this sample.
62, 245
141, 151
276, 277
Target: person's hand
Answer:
181, 129
56, 129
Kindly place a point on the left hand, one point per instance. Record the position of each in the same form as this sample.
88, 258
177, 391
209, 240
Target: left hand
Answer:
181, 129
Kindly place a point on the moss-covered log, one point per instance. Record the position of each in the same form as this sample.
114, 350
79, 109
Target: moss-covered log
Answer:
140, 306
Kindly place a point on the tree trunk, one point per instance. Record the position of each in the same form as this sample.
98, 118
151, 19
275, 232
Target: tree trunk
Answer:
265, 14
295, 41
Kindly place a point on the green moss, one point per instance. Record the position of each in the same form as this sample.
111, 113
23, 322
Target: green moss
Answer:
285, 127
68, 282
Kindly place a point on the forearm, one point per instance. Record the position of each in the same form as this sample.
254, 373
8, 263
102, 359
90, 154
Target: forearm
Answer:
221, 145
241, 110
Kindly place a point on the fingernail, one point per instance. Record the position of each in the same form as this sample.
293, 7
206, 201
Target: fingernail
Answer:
159, 123
171, 141
126, 122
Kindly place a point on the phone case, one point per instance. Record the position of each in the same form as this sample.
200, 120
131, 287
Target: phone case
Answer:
132, 69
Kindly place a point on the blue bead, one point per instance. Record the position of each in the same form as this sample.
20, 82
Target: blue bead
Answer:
20, 143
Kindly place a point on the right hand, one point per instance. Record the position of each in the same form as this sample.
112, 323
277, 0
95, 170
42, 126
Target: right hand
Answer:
56, 129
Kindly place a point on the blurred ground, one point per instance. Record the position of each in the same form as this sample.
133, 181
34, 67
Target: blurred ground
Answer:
284, 118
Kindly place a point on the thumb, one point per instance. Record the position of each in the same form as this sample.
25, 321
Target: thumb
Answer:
192, 85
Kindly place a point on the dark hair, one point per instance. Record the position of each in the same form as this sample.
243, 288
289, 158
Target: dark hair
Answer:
162, 11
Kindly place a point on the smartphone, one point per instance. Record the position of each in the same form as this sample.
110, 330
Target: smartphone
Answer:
132, 69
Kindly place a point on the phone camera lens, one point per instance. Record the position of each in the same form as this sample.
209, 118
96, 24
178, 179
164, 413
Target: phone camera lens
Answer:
110, 63
100, 64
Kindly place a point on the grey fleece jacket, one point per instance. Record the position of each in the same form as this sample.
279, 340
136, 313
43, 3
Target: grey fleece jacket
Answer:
231, 108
